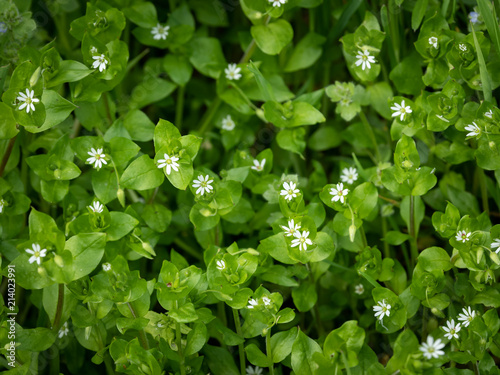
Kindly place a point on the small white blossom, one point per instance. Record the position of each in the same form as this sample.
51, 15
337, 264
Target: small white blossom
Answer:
462, 47
432, 348
433, 41
96, 207
291, 229
28, 99
349, 175
203, 184
452, 329
169, 163
37, 253
463, 236
364, 59
290, 190
339, 193
467, 316
64, 330
266, 300
359, 289
106, 267
259, 167
277, 3
100, 62
301, 240
252, 303
233, 72
489, 114
221, 265
473, 16
93, 50
473, 129
160, 32
401, 110
494, 245
382, 309
254, 370
96, 157
2, 204
228, 123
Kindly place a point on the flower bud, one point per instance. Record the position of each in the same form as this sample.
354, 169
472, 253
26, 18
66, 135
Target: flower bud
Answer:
146, 246
352, 232
42, 271
120, 194
59, 260
407, 164
57, 174
35, 76
494, 258
479, 255
253, 252
260, 114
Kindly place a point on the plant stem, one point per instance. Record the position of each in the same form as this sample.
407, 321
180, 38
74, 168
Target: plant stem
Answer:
315, 311
188, 249
206, 123
413, 241
484, 190
237, 323
363, 236
106, 107
269, 352
387, 253
6, 156
142, 335
178, 341
59, 308
179, 106
370, 132
346, 365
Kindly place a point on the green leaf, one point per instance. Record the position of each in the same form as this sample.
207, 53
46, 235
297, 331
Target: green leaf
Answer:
87, 250
418, 13
407, 76
303, 350
69, 71
256, 357
142, 174
282, 343
157, 217
292, 140
57, 109
207, 56
306, 52
348, 338
434, 258
305, 296
272, 38
8, 127
488, 12
121, 225
483, 71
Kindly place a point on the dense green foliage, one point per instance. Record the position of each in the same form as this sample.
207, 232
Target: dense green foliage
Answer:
249, 187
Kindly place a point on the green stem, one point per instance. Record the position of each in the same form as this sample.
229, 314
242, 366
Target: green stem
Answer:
106, 107
59, 308
371, 134
142, 335
136, 59
179, 106
413, 241
241, 350
188, 249
248, 52
178, 341
387, 253
484, 190
206, 122
6, 156
346, 365
315, 311
269, 352
363, 236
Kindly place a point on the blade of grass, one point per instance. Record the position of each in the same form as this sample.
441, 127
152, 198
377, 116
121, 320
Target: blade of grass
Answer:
485, 77
490, 19
344, 19
385, 25
418, 13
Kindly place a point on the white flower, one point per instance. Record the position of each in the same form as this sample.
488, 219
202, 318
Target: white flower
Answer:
160, 32
254, 370
96, 207
97, 157
221, 265
432, 349
259, 167
106, 267
266, 300
364, 59
37, 253
252, 303
100, 62
433, 41
382, 309
64, 330
203, 184
169, 163
93, 50
290, 190
473, 17
463, 236
494, 245
233, 72
462, 47
2, 204
301, 240
489, 114
359, 289
467, 316
291, 229
228, 123
339, 193
401, 110
349, 175
28, 99
277, 3
452, 329
473, 129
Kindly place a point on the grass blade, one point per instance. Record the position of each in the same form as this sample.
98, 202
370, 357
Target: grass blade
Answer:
487, 10
485, 77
